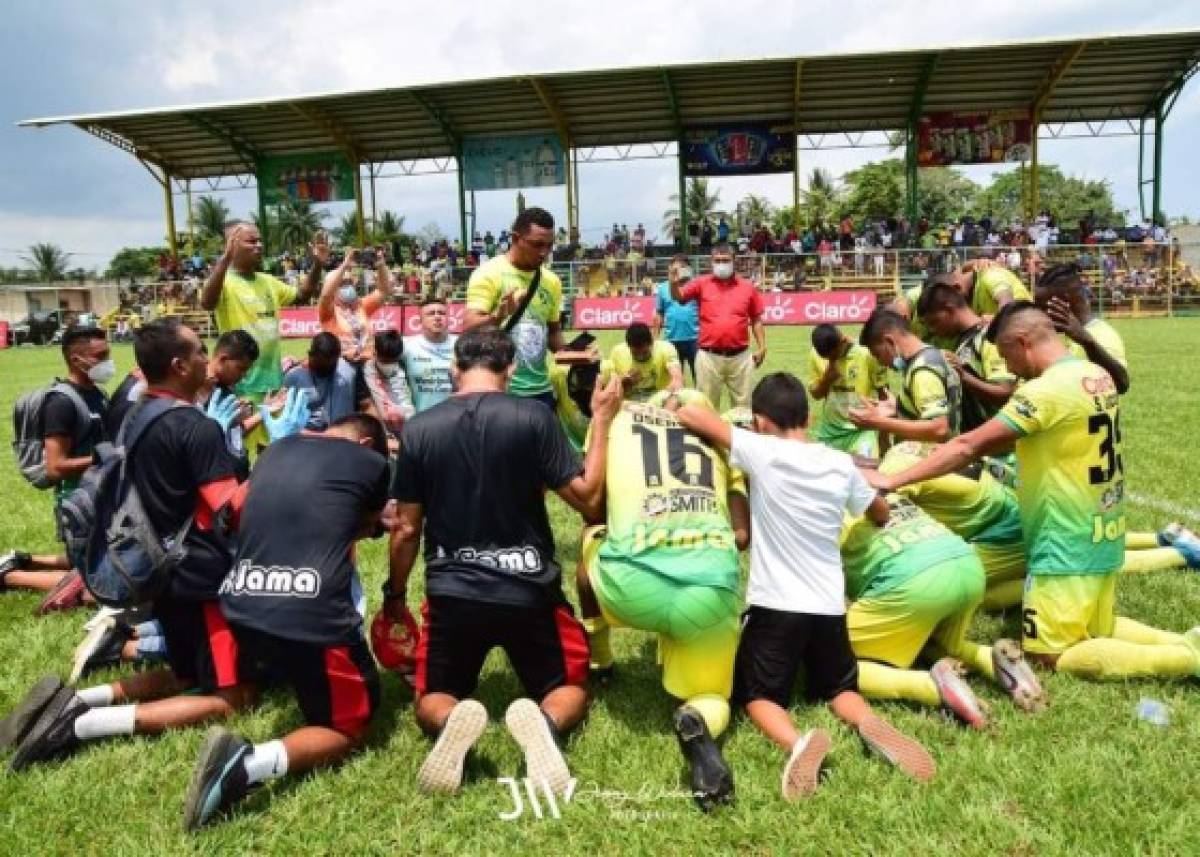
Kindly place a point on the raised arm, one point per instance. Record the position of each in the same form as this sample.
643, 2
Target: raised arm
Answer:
993, 436
585, 493
706, 424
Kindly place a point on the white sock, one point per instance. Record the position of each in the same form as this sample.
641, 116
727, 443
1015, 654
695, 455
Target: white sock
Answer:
98, 696
267, 761
103, 722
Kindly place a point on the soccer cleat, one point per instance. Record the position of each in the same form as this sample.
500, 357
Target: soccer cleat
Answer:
1016, 676
956, 695
545, 765
803, 769
100, 648
219, 779
67, 594
1183, 540
52, 735
14, 727
443, 767
712, 780
12, 561
894, 747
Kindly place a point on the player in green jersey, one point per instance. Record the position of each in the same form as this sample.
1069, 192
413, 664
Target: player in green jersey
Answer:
843, 375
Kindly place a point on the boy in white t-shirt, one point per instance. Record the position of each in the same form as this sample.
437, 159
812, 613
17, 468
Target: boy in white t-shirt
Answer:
796, 612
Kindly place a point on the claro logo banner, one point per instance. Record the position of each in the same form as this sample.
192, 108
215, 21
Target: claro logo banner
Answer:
779, 308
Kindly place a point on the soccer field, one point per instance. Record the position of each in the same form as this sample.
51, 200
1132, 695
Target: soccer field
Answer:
1083, 777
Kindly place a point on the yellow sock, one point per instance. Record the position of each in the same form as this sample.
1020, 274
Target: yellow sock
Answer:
714, 709
1156, 559
976, 657
599, 642
1135, 632
1141, 542
1004, 595
1106, 658
877, 681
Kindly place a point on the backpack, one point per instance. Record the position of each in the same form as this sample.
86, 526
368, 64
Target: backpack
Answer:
108, 534
29, 446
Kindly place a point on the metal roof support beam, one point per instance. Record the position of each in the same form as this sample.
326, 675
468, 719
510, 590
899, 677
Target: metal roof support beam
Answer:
1041, 98
564, 133
677, 127
248, 153
915, 106
348, 145
454, 138
796, 146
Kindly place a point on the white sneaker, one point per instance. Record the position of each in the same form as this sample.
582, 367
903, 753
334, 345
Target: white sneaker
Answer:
443, 767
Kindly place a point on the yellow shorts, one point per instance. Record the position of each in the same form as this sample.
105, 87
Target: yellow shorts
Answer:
1061, 610
697, 626
894, 627
1001, 563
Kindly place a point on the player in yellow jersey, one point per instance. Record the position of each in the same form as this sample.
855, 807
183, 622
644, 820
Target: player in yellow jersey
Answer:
914, 588
843, 375
905, 305
1060, 292
986, 286
928, 404
645, 365
986, 381
666, 561
1065, 422
573, 387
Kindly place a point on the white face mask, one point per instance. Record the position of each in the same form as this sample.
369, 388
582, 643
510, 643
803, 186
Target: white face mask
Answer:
102, 372
387, 370
347, 294
723, 270
685, 274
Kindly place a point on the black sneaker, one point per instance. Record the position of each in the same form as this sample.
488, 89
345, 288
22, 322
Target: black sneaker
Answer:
101, 647
52, 736
712, 781
12, 561
14, 727
219, 779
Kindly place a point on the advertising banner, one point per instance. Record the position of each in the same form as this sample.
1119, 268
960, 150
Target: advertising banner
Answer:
323, 177
500, 163
736, 150
3, 334
303, 323
610, 313
974, 138
849, 307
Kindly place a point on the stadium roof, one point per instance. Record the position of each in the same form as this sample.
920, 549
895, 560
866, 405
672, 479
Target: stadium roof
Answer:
1090, 79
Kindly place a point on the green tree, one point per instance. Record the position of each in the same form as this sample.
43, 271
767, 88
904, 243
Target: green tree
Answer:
701, 206
299, 223
753, 210
346, 230
210, 214
944, 194
875, 190
134, 262
389, 230
48, 262
822, 200
1068, 198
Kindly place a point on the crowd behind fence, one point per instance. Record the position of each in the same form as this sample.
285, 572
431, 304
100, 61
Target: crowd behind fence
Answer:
1125, 279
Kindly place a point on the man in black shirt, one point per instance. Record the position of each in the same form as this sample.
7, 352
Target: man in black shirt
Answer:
294, 602
182, 471
472, 473
70, 438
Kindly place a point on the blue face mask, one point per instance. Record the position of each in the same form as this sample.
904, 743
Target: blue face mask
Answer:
899, 363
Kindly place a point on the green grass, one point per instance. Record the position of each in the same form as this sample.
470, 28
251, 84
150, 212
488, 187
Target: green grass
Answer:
1084, 777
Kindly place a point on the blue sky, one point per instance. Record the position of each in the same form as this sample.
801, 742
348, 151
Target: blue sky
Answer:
61, 57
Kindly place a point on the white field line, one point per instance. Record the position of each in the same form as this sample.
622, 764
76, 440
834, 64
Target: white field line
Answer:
1164, 506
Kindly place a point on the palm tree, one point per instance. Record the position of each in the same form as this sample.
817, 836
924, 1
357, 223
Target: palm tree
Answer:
48, 261
346, 231
701, 206
299, 223
211, 215
388, 229
822, 198
753, 210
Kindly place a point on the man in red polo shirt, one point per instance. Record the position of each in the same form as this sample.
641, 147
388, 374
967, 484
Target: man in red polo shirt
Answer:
729, 304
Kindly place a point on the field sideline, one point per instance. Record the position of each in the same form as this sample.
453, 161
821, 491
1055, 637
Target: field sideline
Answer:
1084, 777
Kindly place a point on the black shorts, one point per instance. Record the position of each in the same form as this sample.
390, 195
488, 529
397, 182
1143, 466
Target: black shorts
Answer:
201, 650
686, 349
546, 646
776, 645
336, 686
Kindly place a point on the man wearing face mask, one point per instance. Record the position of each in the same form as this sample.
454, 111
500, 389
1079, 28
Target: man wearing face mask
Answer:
345, 315
728, 305
70, 438
679, 322
928, 406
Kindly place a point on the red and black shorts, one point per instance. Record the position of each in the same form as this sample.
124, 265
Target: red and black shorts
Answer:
201, 649
547, 646
336, 686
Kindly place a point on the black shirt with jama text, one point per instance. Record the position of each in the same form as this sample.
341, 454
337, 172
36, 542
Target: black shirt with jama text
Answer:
293, 575
479, 464
180, 452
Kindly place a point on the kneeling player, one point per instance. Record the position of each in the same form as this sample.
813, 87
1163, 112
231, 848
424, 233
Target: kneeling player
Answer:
915, 587
294, 604
667, 562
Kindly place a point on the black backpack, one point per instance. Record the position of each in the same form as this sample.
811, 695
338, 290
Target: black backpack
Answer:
109, 536
28, 444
